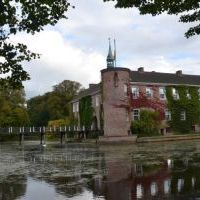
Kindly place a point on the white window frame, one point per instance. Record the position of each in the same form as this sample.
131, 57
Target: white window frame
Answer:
77, 107
188, 95
74, 107
96, 100
168, 115
175, 93
162, 93
149, 92
135, 92
183, 115
136, 116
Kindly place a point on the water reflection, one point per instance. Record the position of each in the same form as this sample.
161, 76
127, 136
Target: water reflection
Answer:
82, 171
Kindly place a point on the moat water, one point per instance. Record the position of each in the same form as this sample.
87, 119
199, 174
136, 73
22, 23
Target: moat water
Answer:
89, 171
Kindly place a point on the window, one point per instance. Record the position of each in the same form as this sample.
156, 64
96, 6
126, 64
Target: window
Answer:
175, 94
149, 92
168, 116
188, 94
162, 93
125, 89
136, 114
76, 107
183, 116
135, 92
96, 101
154, 188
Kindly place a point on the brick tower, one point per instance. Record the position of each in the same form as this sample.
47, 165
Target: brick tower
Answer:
115, 85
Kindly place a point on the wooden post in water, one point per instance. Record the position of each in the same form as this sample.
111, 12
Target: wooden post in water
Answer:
62, 136
44, 136
21, 136
41, 136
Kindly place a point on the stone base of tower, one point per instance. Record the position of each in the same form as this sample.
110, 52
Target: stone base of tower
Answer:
117, 139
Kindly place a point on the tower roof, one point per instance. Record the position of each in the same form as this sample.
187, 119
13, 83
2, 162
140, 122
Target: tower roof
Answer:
110, 58
110, 54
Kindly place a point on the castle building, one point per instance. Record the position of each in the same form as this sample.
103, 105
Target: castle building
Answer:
122, 93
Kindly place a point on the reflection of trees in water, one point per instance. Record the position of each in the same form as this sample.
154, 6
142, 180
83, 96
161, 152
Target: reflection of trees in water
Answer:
13, 187
69, 172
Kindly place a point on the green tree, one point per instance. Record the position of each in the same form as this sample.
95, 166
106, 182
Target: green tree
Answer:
53, 105
23, 16
189, 10
13, 108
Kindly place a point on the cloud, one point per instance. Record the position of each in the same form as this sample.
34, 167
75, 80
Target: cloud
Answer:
59, 61
76, 48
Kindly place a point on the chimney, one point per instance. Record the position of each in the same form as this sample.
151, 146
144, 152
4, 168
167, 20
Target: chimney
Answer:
141, 69
179, 73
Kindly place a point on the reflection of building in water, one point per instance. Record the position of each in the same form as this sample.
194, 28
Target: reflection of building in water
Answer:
125, 181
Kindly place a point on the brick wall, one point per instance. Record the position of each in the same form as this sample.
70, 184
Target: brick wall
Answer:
115, 101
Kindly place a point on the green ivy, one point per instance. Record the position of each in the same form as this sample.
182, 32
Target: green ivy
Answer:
191, 106
86, 111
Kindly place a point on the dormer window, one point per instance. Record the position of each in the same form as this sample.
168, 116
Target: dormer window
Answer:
149, 92
162, 93
135, 92
175, 94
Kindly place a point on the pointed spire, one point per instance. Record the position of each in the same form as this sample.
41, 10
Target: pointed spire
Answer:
110, 58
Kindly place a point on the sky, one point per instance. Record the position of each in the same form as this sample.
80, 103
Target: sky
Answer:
76, 49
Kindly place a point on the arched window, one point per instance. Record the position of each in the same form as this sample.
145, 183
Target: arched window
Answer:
116, 79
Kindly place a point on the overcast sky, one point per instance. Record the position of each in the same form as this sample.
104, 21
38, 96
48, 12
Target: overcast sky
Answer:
76, 49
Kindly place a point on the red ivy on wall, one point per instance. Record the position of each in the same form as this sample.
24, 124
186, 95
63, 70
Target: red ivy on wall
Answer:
154, 102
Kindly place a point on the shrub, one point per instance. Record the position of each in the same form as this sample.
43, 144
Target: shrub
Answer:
147, 125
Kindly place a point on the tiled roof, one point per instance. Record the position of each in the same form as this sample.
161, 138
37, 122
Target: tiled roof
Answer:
94, 88
165, 78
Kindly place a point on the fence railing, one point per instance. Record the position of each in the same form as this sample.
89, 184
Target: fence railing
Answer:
71, 131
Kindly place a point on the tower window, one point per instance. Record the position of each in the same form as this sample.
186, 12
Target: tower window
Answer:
116, 79
125, 89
